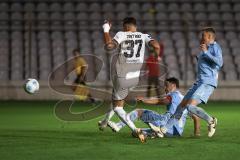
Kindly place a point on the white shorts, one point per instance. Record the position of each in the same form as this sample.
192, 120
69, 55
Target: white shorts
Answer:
121, 87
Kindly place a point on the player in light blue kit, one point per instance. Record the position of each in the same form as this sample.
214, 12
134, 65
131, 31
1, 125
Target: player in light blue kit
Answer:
155, 120
209, 62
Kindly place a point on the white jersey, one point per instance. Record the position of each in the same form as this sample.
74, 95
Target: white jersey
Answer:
131, 53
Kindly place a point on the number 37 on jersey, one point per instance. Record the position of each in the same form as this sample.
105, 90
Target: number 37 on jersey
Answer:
132, 45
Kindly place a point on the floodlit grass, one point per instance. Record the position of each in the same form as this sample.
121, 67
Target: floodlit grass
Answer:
29, 130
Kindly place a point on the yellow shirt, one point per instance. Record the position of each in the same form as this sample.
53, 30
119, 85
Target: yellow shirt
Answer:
79, 63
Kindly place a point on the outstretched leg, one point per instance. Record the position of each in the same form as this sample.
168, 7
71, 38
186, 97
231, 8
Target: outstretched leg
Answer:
212, 121
103, 123
201, 113
133, 116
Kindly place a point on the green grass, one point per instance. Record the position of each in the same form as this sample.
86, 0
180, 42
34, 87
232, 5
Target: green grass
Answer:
29, 130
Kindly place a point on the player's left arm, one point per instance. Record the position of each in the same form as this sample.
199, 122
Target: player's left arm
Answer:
215, 57
83, 65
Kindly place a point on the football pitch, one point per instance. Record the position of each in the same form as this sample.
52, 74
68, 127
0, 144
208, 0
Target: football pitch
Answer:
29, 131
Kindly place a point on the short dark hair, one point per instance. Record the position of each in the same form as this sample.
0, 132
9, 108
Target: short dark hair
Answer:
76, 50
173, 80
209, 29
130, 20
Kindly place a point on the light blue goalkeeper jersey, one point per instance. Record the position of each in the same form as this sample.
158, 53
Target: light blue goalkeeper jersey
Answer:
176, 98
209, 63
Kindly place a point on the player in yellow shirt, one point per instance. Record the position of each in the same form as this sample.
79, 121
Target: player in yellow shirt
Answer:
81, 65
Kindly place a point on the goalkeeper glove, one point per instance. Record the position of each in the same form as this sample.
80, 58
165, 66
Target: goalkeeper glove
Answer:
106, 27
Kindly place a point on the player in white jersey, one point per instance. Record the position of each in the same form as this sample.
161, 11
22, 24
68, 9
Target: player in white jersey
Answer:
131, 48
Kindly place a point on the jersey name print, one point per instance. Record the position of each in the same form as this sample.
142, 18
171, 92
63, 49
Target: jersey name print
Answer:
131, 51
132, 45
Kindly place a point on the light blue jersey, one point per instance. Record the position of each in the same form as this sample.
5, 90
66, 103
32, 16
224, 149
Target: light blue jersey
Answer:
209, 63
176, 98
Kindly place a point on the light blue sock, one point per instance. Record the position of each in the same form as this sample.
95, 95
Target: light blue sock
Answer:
179, 111
132, 116
200, 113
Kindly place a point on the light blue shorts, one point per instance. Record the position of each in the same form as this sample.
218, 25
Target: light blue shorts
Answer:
200, 92
155, 118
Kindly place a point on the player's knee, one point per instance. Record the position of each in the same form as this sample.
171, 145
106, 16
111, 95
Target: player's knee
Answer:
118, 103
187, 102
183, 103
193, 102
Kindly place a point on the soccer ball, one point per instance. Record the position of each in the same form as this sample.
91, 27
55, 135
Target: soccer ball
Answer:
31, 86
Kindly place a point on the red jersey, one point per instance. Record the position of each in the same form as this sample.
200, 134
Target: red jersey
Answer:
153, 66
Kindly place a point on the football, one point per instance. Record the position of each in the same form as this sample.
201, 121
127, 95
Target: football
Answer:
31, 86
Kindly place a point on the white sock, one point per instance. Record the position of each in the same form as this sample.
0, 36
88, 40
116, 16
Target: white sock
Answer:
109, 114
200, 113
123, 116
132, 116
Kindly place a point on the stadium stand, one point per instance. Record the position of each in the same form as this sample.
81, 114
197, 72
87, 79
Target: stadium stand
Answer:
57, 27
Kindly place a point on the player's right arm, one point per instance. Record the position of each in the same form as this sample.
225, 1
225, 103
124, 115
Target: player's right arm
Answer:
110, 44
161, 101
215, 57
